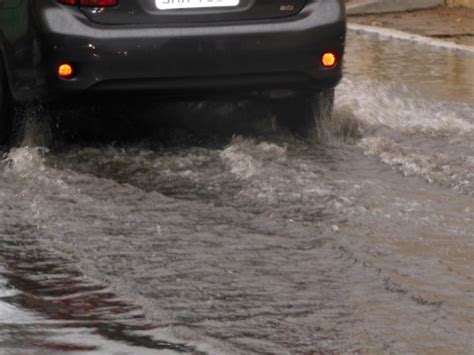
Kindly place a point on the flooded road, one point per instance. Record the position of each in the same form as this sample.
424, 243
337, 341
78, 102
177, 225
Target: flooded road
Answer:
233, 238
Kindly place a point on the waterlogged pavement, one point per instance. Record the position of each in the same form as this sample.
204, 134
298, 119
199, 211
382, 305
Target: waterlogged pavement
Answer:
359, 240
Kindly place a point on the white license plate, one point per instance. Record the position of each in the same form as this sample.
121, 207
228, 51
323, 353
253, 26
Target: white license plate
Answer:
194, 4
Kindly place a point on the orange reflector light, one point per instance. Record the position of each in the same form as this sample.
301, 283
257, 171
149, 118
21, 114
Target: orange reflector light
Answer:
65, 71
329, 60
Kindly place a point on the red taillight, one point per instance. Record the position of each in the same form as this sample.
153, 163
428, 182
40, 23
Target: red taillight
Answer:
65, 71
68, 2
329, 60
98, 3
90, 3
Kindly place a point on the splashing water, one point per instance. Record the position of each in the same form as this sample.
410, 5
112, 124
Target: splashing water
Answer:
26, 160
377, 105
33, 127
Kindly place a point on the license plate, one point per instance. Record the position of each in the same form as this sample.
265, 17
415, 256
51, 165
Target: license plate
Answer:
194, 4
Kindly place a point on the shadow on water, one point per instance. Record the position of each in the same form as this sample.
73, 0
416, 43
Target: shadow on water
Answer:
48, 305
158, 124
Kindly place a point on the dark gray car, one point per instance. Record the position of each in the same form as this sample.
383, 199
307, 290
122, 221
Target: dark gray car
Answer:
287, 50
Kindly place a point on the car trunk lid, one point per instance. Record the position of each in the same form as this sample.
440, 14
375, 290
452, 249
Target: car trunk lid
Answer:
163, 12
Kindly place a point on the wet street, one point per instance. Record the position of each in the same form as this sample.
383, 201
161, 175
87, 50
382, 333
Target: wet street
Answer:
216, 234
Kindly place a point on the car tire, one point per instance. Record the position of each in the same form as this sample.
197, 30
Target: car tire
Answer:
303, 114
4, 106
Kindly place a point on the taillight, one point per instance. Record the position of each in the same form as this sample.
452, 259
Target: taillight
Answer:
66, 71
98, 3
90, 3
329, 60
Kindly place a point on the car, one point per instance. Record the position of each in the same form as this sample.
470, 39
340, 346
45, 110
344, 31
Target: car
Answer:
287, 51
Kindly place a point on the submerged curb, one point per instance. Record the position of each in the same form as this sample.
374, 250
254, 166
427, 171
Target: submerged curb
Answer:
370, 7
410, 37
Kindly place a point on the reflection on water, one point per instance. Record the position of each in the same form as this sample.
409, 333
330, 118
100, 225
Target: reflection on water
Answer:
442, 74
47, 305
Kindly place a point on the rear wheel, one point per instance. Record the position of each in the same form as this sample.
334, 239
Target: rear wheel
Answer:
304, 113
4, 106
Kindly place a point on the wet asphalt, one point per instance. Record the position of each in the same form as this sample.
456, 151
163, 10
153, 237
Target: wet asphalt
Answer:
199, 228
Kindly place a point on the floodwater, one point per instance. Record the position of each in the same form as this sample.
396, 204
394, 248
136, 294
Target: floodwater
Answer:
216, 234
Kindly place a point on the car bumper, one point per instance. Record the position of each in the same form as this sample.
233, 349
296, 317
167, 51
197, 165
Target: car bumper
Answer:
257, 56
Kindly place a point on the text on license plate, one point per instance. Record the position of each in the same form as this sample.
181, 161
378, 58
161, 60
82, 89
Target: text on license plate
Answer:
194, 4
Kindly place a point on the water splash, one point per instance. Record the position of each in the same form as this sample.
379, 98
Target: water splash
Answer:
244, 157
434, 168
32, 127
376, 105
26, 160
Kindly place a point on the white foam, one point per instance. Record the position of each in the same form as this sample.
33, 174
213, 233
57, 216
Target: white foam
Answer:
26, 159
244, 157
435, 168
384, 105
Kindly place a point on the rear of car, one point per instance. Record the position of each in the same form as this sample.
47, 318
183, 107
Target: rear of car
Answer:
53, 48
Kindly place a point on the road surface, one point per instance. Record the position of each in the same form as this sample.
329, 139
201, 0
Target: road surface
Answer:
214, 233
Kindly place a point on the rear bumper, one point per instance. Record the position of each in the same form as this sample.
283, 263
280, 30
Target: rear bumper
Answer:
258, 56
